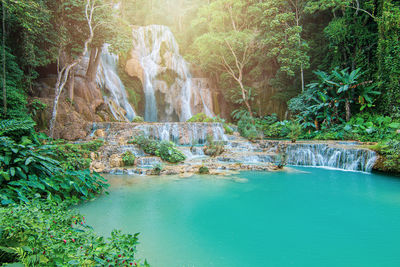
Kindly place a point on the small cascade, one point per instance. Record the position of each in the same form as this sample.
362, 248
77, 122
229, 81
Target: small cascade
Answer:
108, 79
184, 133
324, 155
147, 162
167, 82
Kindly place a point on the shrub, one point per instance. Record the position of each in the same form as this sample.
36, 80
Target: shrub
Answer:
28, 169
204, 170
164, 149
201, 117
128, 158
170, 153
157, 169
138, 119
75, 156
46, 233
213, 148
295, 130
390, 150
246, 124
150, 146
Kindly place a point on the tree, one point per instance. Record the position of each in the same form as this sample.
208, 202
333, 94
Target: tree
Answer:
4, 57
281, 36
228, 47
63, 72
388, 54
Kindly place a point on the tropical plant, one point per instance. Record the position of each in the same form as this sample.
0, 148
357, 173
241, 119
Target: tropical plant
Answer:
246, 124
164, 149
28, 169
169, 152
331, 96
213, 148
295, 130
157, 169
128, 158
48, 233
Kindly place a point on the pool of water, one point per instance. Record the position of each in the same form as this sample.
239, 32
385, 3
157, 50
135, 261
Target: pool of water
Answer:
303, 217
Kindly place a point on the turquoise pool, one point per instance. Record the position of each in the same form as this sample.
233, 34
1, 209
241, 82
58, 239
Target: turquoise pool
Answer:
303, 217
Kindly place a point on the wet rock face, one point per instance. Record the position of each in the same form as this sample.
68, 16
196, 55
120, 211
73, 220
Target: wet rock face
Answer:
116, 161
238, 153
97, 166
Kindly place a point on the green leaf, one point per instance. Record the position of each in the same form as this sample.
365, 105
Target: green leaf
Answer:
12, 171
394, 125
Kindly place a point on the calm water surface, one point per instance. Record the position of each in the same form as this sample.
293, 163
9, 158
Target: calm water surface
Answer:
307, 217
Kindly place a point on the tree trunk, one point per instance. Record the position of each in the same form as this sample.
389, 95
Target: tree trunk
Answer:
348, 112
245, 98
71, 86
4, 61
94, 62
63, 74
302, 78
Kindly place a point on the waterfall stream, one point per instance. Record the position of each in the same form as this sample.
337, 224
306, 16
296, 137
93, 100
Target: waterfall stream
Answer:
108, 79
323, 155
167, 81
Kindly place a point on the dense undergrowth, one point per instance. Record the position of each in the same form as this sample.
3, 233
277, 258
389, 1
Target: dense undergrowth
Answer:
39, 181
164, 149
201, 117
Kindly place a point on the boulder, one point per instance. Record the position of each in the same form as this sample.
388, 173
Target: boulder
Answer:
116, 161
97, 166
133, 67
100, 133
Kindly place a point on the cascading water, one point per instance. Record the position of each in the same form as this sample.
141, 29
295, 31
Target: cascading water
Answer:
167, 82
184, 133
323, 155
108, 79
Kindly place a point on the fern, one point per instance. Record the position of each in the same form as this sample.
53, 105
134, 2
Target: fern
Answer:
16, 128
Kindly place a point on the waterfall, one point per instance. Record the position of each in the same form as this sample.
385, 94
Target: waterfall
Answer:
184, 133
167, 82
324, 155
108, 79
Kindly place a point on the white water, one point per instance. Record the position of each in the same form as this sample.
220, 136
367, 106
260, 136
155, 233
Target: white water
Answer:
157, 51
108, 79
184, 133
323, 155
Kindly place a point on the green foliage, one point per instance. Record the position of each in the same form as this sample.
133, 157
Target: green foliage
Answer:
16, 129
46, 233
150, 146
214, 148
388, 53
75, 156
169, 152
15, 93
138, 119
332, 98
204, 170
391, 152
295, 130
372, 128
29, 169
164, 149
281, 35
157, 169
128, 158
246, 124
201, 117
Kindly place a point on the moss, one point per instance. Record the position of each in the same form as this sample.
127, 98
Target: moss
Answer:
204, 170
